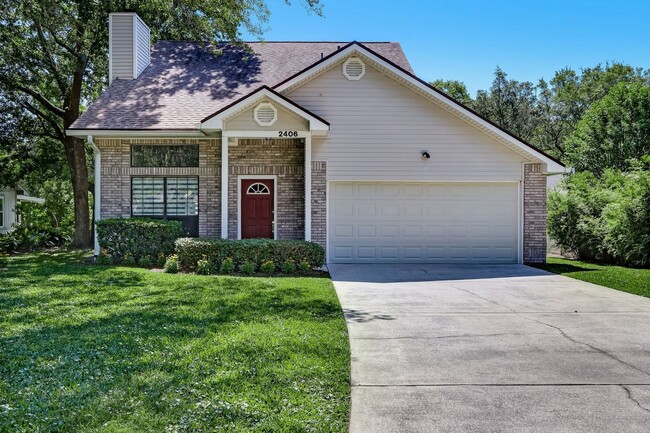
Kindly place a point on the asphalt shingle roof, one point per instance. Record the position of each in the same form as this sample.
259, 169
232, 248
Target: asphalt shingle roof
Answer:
186, 82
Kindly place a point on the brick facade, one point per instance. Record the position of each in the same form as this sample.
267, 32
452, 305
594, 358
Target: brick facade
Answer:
282, 158
534, 213
319, 202
116, 172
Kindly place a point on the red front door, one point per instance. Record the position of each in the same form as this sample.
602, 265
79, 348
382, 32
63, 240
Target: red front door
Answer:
257, 208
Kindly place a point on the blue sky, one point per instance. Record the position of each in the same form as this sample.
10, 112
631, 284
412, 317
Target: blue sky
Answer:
465, 40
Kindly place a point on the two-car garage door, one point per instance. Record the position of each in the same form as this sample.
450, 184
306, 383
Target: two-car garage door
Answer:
389, 222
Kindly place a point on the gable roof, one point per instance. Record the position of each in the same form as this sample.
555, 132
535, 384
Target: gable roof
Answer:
186, 82
445, 101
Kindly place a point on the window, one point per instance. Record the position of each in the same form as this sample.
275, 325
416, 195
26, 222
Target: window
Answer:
2, 210
258, 189
149, 155
174, 198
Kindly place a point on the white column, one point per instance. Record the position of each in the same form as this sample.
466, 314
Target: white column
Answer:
308, 187
224, 186
97, 194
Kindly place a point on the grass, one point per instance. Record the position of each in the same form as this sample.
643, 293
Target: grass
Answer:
630, 280
114, 349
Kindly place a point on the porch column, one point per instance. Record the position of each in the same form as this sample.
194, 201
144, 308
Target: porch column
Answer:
308, 187
224, 186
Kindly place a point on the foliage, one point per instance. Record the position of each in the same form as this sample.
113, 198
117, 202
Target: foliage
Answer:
304, 267
104, 258
247, 267
289, 266
128, 260
160, 261
145, 261
205, 267
606, 219
171, 265
614, 131
455, 89
190, 250
616, 277
227, 266
138, 236
99, 349
267, 266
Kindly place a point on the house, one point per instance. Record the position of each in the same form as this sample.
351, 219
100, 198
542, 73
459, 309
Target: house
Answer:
395, 170
9, 197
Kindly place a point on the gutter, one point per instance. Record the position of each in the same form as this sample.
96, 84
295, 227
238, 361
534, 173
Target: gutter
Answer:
98, 190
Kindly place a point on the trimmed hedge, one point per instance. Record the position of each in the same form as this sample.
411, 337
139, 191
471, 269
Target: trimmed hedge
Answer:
255, 251
137, 237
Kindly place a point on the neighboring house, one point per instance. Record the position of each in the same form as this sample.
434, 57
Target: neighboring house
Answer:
396, 170
9, 197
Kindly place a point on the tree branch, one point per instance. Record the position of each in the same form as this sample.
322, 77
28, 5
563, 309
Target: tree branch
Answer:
41, 115
42, 99
53, 67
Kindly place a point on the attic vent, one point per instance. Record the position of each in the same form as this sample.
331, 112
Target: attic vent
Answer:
354, 68
265, 114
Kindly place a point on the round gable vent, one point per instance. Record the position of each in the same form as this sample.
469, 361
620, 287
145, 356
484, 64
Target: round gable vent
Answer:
265, 114
354, 68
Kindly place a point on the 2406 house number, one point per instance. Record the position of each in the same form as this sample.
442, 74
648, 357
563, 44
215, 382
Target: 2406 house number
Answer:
287, 134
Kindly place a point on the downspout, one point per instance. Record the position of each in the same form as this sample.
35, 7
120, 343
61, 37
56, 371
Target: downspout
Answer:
98, 190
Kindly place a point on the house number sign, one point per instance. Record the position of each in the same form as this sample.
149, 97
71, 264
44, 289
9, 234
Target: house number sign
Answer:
287, 134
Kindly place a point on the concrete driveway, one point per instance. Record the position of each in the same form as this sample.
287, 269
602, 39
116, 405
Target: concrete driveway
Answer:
444, 348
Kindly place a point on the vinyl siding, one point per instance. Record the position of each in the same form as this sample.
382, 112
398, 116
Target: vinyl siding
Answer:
143, 54
379, 129
286, 121
121, 46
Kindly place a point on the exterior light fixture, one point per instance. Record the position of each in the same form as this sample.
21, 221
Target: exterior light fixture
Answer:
425, 155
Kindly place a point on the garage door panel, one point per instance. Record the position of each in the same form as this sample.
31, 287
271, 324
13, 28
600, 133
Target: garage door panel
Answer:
411, 222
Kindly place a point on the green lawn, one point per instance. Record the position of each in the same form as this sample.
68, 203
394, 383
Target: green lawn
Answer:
630, 280
113, 349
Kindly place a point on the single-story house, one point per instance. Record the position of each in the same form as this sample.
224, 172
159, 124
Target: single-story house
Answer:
336, 143
9, 197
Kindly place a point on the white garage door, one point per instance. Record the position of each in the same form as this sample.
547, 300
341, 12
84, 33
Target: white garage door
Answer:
388, 222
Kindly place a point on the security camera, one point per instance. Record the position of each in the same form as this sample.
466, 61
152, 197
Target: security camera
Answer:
425, 155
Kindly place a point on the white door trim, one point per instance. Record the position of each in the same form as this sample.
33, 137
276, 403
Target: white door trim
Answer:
275, 199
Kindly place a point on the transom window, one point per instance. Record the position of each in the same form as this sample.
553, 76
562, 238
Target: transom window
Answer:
177, 155
258, 189
174, 198
2, 210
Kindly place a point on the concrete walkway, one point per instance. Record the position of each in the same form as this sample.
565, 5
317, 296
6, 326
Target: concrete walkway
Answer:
444, 348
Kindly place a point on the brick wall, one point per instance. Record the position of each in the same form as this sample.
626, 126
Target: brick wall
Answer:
534, 214
283, 158
116, 175
319, 202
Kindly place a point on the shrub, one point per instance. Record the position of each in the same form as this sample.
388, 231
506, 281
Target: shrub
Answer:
190, 250
146, 262
267, 267
605, 219
138, 236
227, 266
171, 265
289, 267
205, 267
247, 268
304, 267
104, 258
160, 261
128, 260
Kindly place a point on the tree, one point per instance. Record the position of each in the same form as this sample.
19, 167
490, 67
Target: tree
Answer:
510, 104
54, 60
614, 131
454, 88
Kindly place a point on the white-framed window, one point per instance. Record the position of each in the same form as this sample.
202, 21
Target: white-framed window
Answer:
164, 196
265, 114
258, 189
2, 210
354, 69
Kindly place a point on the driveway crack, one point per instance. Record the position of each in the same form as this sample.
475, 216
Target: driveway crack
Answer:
629, 395
558, 329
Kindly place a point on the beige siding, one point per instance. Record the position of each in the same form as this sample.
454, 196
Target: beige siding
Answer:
142, 40
287, 121
9, 196
121, 46
379, 129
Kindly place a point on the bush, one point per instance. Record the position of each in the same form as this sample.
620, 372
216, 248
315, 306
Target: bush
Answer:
146, 262
227, 266
605, 219
160, 261
104, 259
289, 267
304, 267
191, 250
267, 267
171, 265
128, 260
205, 267
138, 236
247, 267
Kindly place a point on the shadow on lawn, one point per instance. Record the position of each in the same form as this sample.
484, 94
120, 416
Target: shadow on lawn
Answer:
561, 268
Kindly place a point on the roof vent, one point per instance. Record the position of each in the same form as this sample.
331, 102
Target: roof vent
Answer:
265, 114
354, 69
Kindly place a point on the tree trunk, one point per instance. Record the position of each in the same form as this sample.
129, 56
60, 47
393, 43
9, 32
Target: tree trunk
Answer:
76, 153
